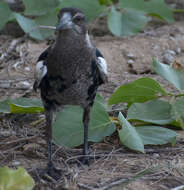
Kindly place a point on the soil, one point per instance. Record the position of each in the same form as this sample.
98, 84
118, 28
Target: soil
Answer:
129, 58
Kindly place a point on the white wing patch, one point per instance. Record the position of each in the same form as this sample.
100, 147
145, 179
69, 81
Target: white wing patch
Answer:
102, 66
40, 72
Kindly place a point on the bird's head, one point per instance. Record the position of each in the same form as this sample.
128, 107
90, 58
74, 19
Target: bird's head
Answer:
71, 19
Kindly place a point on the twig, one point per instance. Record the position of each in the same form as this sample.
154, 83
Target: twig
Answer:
181, 187
18, 140
47, 27
12, 149
86, 186
118, 182
160, 150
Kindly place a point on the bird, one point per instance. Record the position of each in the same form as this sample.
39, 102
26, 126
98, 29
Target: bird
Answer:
69, 72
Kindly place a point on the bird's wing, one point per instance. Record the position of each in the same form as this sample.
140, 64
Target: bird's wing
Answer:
102, 66
40, 69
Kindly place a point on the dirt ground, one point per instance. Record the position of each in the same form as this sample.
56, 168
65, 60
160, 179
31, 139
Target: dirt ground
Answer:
22, 136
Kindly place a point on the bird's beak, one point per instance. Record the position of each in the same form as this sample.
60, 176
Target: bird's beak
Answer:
65, 22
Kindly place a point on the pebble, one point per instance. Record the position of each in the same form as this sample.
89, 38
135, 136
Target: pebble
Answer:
130, 61
27, 69
156, 155
178, 50
15, 163
131, 56
169, 56
25, 84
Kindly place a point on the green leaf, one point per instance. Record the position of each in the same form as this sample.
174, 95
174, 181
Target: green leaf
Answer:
128, 22
91, 8
68, 128
174, 76
178, 112
35, 7
154, 111
15, 179
26, 105
105, 2
141, 90
34, 102
5, 13
21, 105
49, 19
129, 136
155, 135
25, 109
29, 26
154, 7
4, 106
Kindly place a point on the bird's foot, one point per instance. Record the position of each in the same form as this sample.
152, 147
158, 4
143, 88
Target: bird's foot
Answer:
50, 173
85, 159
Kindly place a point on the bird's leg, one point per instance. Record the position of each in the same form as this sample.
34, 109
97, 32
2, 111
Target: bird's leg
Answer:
49, 121
86, 119
50, 118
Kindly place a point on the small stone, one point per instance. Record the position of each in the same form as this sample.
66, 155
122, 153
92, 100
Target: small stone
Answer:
178, 50
169, 57
170, 52
131, 56
15, 163
130, 61
27, 69
25, 83
156, 155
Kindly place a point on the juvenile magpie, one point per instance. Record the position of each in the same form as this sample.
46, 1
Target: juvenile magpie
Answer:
69, 73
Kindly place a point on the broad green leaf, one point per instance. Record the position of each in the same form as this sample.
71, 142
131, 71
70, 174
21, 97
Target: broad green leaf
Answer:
21, 105
105, 2
25, 109
4, 107
26, 105
39, 7
91, 8
5, 13
128, 22
29, 26
129, 136
141, 90
154, 7
176, 77
178, 112
154, 111
156, 135
49, 19
68, 128
34, 102
17, 179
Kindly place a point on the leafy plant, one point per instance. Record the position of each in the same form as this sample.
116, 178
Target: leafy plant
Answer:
147, 110
124, 17
17, 179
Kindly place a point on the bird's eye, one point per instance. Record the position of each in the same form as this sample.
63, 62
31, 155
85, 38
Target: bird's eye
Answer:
78, 18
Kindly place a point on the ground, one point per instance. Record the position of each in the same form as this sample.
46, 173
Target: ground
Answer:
22, 136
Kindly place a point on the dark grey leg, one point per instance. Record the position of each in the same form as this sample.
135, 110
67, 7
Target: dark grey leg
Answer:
86, 119
50, 118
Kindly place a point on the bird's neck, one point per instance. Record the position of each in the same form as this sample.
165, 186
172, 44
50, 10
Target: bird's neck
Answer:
70, 39
69, 53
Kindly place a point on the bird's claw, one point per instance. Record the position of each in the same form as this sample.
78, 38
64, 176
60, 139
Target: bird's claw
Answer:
52, 171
